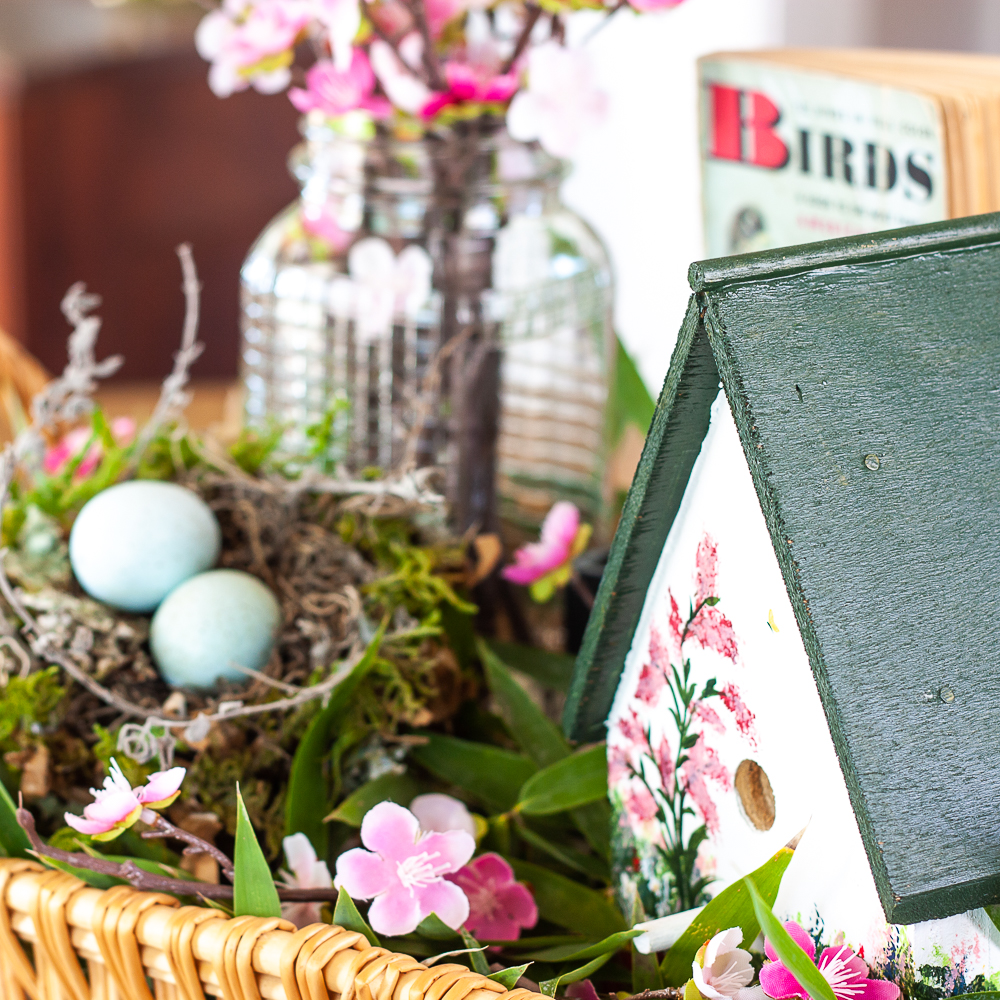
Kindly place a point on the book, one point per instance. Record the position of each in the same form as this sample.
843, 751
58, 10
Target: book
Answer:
800, 145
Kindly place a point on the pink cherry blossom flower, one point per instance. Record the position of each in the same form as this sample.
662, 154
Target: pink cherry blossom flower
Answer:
335, 93
632, 729
651, 682
74, 441
251, 43
398, 78
403, 871
640, 805
745, 719
708, 716
499, 906
665, 765
553, 549
648, 5
618, 764
471, 83
117, 805
307, 872
722, 968
703, 765
561, 103
439, 813
846, 972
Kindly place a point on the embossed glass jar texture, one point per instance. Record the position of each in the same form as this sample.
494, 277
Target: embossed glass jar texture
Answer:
442, 291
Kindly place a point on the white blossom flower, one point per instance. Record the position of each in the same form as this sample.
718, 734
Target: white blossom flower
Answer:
561, 103
724, 968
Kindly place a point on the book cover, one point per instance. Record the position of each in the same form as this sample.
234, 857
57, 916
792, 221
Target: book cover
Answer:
792, 155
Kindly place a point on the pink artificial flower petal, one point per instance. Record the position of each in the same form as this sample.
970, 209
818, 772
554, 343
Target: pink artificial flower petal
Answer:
390, 830
799, 935
583, 990
880, 989
446, 900
363, 874
533, 561
161, 786
448, 851
488, 866
439, 813
779, 984
519, 904
308, 872
501, 88
90, 827
394, 913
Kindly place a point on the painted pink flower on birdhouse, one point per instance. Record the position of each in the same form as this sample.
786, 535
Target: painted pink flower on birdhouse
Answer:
117, 805
846, 972
663, 766
500, 907
403, 871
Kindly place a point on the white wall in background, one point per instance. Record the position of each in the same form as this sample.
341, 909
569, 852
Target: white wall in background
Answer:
636, 178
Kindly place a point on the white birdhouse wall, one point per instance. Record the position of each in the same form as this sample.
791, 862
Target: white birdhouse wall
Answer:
713, 770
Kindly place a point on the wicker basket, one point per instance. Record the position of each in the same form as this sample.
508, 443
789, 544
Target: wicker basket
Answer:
120, 944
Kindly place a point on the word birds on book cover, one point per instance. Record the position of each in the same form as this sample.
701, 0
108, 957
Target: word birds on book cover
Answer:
791, 155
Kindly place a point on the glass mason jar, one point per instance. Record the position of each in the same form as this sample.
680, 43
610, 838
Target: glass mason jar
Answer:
434, 302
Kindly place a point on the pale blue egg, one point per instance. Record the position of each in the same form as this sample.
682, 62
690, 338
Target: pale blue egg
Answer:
211, 622
134, 542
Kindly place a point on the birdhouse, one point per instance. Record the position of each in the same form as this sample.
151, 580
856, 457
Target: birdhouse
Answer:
799, 623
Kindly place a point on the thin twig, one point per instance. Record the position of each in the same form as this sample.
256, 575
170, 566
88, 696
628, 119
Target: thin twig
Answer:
533, 14
196, 845
139, 878
258, 675
393, 43
431, 64
173, 397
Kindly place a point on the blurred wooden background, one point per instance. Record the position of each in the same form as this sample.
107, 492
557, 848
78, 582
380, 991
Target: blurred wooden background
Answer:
106, 164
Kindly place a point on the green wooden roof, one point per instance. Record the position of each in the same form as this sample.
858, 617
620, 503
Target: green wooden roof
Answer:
864, 378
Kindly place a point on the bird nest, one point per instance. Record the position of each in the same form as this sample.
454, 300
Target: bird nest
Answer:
340, 555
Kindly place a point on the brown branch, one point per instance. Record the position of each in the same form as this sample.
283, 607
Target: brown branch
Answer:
139, 878
393, 43
431, 64
534, 12
164, 828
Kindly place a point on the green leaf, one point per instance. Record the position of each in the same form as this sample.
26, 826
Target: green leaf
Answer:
568, 903
508, 978
435, 928
542, 941
594, 822
574, 781
346, 915
732, 907
399, 788
254, 893
549, 987
491, 774
585, 864
554, 670
629, 401
538, 736
13, 839
792, 957
307, 799
571, 952
476, 957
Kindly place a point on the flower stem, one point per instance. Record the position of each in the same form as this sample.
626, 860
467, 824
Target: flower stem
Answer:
533, 12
